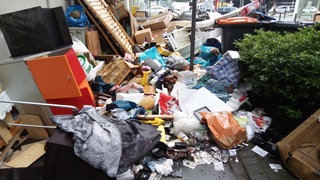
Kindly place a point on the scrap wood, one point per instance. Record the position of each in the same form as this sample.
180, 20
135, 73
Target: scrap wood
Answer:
153, 116
12, 142
5, 134
13, 131
28, 156
35, 133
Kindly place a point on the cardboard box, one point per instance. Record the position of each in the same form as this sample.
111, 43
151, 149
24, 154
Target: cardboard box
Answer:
300, 150
120, 12
158, 34
144, 35
159, 21
140, 14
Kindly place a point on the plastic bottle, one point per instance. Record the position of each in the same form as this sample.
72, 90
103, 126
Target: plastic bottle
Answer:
184, 138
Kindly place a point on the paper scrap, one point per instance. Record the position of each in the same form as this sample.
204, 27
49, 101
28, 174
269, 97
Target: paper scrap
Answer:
189, 164
259, 151
275, 167
232, 152
218, 166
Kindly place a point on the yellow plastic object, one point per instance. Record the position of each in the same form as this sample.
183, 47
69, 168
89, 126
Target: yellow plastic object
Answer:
163, 52
163, 134
134, 9
145, 78
155, 122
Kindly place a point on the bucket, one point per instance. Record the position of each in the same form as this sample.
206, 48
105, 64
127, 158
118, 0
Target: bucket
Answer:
188, 78
87, 67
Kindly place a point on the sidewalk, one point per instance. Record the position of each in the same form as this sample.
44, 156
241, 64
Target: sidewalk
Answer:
249, 166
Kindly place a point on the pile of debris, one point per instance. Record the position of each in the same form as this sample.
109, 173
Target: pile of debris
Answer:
161, 114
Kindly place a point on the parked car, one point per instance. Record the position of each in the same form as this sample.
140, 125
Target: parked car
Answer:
282, 9
225, 10
310, 9
154, 10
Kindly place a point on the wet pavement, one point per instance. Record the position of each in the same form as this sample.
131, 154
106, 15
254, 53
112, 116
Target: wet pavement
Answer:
249, 166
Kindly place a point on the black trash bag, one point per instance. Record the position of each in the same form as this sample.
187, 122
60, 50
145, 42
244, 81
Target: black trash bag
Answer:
108, 144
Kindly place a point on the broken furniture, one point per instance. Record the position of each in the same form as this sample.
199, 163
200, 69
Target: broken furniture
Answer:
180, 41
61, 80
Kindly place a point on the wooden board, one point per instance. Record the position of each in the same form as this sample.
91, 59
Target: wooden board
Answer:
35, 133
28, 156
13, 131
93, 42
5, 134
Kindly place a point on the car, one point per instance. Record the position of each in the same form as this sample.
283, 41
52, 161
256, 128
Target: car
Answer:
154, 10
310, 9
282, 9
225, 9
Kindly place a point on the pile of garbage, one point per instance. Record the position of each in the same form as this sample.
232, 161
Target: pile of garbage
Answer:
159, 112
162, 116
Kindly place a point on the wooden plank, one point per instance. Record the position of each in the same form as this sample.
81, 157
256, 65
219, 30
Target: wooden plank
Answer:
13, 130
5, 134
28, 156
35, 133
93, 42
11, 143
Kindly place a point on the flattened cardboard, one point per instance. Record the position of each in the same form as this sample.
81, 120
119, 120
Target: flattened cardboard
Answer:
300, 150
159, 21
144, 35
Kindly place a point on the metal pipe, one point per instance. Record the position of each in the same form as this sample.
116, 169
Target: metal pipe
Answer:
193, 33
74, 109
31, 125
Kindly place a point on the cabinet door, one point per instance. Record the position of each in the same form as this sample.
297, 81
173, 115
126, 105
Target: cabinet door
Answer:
54, 77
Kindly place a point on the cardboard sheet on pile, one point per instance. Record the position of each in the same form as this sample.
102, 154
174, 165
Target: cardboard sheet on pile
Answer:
159, 21
300, 150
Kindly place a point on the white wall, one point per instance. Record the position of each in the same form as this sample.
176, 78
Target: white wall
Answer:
7, 6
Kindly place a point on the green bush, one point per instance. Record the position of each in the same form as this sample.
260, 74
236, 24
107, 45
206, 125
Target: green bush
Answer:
284, 69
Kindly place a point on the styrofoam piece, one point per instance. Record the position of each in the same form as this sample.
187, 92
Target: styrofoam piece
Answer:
134, 97
200, 98
4, 107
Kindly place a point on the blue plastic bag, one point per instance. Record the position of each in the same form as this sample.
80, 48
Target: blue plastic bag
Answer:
153, 54
76, 17
206, 54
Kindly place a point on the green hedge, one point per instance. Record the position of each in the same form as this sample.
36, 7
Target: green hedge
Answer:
284, 68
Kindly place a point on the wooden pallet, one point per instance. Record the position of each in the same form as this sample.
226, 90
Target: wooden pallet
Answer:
108, 25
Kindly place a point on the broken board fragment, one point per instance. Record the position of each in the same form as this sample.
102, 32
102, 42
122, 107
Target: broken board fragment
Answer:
28, 156
5, 134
